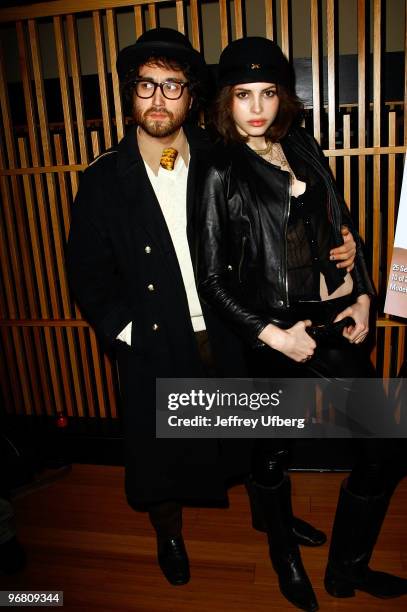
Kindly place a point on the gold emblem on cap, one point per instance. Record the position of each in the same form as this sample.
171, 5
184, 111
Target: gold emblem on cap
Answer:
255, 66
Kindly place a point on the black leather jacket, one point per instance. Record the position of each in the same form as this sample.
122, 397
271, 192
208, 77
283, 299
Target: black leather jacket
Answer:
242, 251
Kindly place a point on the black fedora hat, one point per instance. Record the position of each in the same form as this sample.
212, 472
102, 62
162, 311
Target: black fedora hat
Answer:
158, 42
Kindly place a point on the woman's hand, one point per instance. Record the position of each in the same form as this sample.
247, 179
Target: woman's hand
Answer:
359, 311
345, 253
294, 342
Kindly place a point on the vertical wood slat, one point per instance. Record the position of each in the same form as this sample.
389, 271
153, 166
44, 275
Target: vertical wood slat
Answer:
330, 24
66, 379
55, 224
39, 272
35, 235
138, 20
102, 72
113, 51
65, 97
238, 18
224, 29
268, 9
387, 353
15, 303
285, 27
377, 25
32, 361
18, 248
95, 143
195, 22
7, 298
73, 357
49, 357
17, 240
152, 15
39, 186
401, 347
50, 178
63, 188
110, 387
179, 5
346, 161
26, 407
362, 114
7, 339
7, 390
316, 77
80, 117
77, 87
391, 191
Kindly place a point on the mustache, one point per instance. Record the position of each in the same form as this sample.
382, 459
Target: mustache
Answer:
158, 109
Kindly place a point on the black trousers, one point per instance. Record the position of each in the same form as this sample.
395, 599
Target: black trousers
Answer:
373, 457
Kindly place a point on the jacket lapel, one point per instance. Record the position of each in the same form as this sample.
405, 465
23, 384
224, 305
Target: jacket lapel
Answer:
199, 146
140, 200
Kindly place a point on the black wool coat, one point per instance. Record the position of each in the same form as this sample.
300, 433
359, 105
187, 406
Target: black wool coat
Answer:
119, 245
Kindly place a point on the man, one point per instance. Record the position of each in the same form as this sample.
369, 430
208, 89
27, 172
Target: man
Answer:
130, 267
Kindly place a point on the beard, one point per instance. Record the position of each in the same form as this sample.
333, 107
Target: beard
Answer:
162, 127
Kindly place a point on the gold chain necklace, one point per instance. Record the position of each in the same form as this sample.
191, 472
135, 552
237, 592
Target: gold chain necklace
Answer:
266, 151
278, 155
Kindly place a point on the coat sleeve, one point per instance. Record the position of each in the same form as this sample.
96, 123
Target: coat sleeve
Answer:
360, 275
91, 265
216, 274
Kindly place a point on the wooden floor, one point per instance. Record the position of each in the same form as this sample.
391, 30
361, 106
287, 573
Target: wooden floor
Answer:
82, 538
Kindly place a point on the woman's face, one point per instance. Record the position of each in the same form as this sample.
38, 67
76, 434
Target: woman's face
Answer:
254, 107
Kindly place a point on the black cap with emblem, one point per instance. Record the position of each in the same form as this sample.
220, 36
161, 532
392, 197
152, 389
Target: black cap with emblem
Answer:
254, 60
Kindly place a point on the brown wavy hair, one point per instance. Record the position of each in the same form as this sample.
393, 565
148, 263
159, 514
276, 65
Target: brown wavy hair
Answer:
221, 117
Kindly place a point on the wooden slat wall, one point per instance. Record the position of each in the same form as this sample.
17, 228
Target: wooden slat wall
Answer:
50, 359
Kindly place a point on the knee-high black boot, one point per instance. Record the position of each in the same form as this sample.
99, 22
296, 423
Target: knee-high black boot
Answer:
357, 524
304, 533
284, 551
268, 467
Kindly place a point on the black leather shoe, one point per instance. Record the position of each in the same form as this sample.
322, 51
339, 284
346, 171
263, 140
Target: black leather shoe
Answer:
293, 580
173, 560
307, 535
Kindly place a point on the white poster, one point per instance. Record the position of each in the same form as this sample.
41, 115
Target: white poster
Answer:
396, 298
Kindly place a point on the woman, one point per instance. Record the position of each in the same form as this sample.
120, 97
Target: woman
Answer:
270, 215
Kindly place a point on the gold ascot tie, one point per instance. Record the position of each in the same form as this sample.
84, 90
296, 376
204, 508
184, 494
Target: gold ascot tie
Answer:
168, 157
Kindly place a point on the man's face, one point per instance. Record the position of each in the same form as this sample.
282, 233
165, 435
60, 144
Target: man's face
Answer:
159, 116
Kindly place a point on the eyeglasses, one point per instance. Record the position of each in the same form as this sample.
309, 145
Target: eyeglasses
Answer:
172, 90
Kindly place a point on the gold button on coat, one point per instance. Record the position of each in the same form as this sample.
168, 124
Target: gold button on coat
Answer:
150, 287
147, 249
155, 326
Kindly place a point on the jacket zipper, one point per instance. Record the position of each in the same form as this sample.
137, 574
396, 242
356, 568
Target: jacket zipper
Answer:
285, 241
241, 259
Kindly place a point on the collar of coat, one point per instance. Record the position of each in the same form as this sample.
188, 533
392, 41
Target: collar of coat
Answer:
129, 153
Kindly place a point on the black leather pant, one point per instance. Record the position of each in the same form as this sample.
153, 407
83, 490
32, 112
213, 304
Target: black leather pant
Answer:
372, 457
